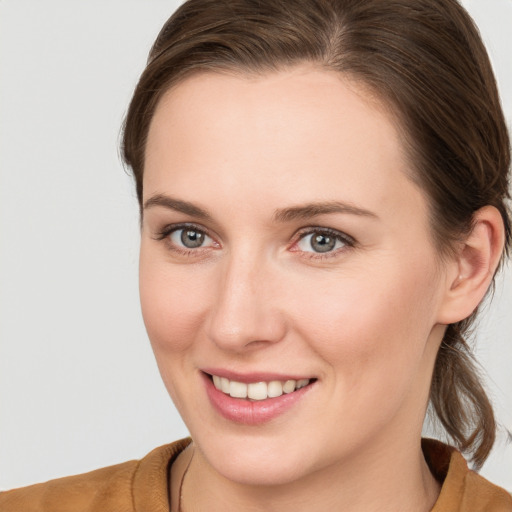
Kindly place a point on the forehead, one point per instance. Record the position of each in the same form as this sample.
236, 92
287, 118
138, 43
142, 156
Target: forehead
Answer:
303, 97
310, 132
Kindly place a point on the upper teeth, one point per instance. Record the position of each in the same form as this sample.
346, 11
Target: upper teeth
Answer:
257, 390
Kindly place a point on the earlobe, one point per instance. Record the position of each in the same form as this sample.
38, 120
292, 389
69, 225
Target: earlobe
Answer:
474, 266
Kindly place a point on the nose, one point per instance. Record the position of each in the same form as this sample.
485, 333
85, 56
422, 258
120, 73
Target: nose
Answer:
246, 314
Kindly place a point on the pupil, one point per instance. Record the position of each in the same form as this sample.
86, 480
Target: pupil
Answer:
192, 239
323, 243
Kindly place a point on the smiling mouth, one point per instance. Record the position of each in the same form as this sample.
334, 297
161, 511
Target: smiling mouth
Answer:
255, 391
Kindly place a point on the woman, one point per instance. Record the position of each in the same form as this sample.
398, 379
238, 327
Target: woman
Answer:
322, 191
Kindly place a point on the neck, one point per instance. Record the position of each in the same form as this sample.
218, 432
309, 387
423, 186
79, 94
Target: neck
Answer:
392, 478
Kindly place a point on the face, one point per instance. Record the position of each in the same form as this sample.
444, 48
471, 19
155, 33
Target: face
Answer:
286, 255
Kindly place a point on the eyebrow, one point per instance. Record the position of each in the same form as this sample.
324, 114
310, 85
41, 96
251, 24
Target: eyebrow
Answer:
309, 210
177, 205
299, 212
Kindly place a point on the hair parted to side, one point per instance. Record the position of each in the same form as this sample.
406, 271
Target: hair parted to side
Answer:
425, 60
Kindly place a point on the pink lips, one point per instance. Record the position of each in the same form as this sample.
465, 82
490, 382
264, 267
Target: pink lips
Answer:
248, 412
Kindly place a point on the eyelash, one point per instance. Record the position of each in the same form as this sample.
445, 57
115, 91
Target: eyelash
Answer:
347, 240
165, 233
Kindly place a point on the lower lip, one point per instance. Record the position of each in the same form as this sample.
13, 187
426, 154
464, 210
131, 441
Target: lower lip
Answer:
248, 412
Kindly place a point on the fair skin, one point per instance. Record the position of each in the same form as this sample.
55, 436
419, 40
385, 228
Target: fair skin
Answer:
349, 293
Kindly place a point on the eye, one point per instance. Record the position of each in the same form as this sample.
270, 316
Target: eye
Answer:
189, 237
186, 239
323, 241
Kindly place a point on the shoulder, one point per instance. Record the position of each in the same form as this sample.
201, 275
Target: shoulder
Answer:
462, 489
79, 492
123, 487
487, 496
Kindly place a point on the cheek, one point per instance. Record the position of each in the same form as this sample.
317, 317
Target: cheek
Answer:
173, 308
372, 333
172, 302
371, 323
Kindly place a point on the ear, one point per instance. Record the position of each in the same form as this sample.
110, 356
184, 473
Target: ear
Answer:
471, 272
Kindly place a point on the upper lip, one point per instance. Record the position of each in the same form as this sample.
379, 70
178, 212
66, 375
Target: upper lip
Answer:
253, 376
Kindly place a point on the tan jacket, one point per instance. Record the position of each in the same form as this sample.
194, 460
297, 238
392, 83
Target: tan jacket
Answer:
142, 486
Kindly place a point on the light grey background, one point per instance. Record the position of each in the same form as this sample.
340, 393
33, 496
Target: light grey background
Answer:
79, 388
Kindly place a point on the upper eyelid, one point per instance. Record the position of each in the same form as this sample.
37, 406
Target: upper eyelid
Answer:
318, 229
164, 235
169, 228
300, 233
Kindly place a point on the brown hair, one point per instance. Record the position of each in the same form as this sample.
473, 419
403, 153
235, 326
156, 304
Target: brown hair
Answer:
425, 60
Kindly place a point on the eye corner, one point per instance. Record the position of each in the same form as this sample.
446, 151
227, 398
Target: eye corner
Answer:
174, 238
332, 240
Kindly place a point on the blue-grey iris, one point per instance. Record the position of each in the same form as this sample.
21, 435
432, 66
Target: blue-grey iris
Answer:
191, 238
322, 243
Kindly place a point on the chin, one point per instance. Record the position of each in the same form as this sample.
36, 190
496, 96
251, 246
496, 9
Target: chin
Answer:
258, 472
254, 459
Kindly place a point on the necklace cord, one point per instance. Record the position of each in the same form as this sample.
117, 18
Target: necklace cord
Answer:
180, 493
